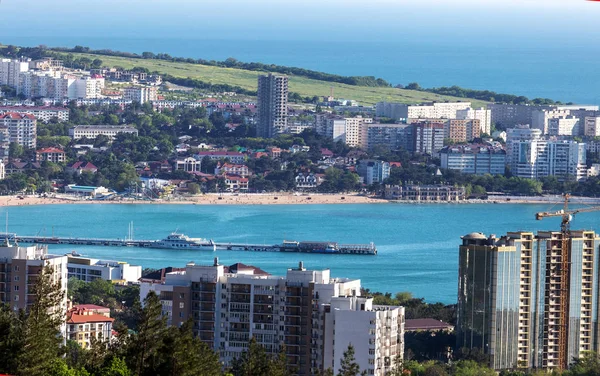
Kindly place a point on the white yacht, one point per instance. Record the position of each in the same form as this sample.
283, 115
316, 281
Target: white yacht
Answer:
181, 241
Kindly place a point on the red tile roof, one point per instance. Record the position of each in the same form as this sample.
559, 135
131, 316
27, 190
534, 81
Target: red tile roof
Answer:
50, 150
90, 307
82, 319
16, 116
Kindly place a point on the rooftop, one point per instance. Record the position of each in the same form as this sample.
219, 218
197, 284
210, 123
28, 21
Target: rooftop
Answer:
426, 324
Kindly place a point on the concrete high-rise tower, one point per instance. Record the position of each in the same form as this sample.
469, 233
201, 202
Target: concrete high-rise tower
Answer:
509, 298
272, 105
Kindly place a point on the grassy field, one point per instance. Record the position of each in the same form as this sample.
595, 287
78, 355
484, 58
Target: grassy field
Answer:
301, 85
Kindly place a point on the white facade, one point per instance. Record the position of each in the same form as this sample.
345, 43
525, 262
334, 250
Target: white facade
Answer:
517, 134
436, 110
22, 128
484, 116
140, 94
10, 70
539, 118
88, 269
298, 310
2, 170
375, 332
40, 113
352, 131
534, 159
93, 131
564, 126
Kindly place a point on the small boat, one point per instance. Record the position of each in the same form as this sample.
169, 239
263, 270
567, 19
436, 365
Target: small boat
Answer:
74, 254
181, 241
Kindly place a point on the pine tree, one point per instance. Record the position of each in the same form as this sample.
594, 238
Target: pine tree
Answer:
11, 335
348, 366
253, 361
186, 355
143, 347
41, 335
278, 365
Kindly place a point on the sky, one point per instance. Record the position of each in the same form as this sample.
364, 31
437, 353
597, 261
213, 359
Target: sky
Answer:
307, 19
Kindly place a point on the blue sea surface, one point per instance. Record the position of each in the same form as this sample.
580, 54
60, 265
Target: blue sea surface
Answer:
565, 72
418, 244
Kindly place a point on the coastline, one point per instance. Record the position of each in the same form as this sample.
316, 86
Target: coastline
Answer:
281, 199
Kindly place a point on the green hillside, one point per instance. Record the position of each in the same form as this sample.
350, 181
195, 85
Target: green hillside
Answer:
301, 85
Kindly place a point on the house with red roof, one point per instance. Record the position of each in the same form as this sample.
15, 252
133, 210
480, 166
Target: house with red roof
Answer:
233, 169
80, 167
236, 183
54, 155
88, 321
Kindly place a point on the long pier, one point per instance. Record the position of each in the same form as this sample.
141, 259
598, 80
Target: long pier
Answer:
297, 247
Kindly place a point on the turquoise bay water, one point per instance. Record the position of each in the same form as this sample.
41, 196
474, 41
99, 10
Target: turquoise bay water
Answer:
418, 244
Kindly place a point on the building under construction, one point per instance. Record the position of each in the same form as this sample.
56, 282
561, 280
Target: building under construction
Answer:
529, 300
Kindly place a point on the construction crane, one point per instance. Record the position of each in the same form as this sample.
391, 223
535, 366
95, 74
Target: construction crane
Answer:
562, 271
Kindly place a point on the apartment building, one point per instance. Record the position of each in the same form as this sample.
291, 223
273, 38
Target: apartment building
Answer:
54, 155
10, 70
564, 126
352, 131
232, 156
427, 137
59, 86
462, 130
93, 131
272, 105
509, 298
509, 115
388, 136
516, 135
372, 171
484, 116
19, 269
432, 110
534, 159
2, 170
89, 269
87, 321
140, 94
474, 159
44, 114
591, 126
230, 305
230, 168
4, 142
22, 128
539, 118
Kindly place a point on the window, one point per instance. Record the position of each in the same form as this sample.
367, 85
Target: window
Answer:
181, 305
16, 298
16, 268
16, 288
16, 278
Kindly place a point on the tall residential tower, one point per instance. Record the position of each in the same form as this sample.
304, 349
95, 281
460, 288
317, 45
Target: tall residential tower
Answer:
272, 105
510, 302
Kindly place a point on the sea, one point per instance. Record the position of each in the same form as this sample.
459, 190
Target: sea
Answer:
417, 243
533, 68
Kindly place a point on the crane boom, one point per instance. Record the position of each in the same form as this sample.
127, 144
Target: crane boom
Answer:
561, 273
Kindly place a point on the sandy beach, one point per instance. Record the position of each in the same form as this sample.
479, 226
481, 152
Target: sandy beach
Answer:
277, 199
207, 199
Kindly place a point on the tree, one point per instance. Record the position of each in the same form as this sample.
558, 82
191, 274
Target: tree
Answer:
144, 346
116, 367
253, 361
186, 355
42, 337
348, 366
587, 365
11, 329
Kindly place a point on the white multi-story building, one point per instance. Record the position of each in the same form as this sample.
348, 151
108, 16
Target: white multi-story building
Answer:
564, 126
314, 315
10, 71
88, 322
484, 116
141, 94
539, 118
89, 269
534, 159
88, 87
372, 171
517, 134
22, 128
432, 110
474, 159
352, 131
41, 113
2, 170
93, 131
374, 332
